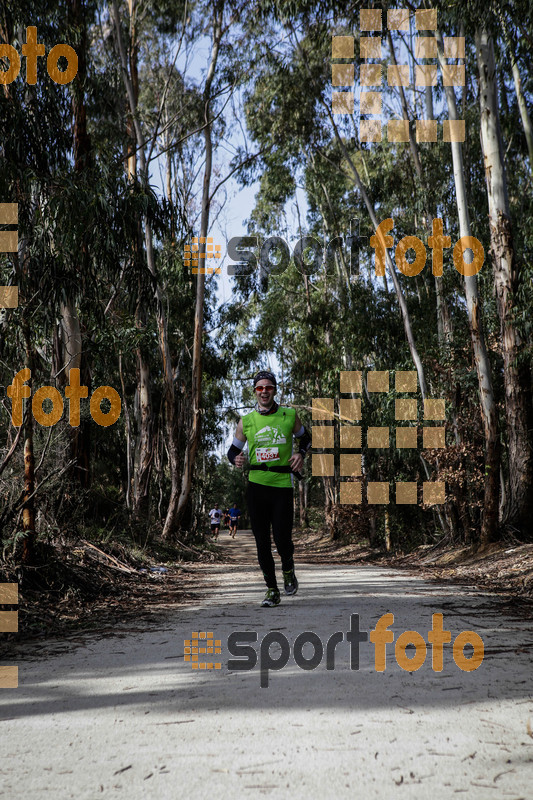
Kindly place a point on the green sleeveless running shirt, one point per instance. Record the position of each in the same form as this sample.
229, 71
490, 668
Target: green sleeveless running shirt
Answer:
269, 440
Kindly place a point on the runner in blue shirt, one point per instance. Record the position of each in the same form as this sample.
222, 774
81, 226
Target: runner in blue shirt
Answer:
234, 517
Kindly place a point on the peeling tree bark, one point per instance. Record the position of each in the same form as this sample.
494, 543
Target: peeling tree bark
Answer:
489, 527
144, 445
518, 511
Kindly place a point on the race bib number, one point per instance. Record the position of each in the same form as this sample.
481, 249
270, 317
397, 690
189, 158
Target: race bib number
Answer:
263, 454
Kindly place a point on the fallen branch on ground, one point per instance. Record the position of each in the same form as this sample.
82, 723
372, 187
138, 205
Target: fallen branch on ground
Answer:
118, 564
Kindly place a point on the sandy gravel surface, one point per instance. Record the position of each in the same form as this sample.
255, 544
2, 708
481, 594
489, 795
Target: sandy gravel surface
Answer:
125, 716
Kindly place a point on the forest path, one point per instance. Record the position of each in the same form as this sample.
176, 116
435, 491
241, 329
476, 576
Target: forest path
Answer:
126, 717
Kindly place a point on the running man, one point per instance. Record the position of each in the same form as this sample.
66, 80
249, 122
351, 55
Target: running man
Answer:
215, 515
234, 517
269, 429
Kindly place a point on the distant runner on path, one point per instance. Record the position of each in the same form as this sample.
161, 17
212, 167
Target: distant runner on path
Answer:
215, 515
269, 429
234, 517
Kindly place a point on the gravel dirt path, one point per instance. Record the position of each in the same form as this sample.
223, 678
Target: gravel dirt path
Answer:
125, 716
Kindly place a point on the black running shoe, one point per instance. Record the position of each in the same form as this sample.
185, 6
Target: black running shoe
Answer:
290, 581
272, 598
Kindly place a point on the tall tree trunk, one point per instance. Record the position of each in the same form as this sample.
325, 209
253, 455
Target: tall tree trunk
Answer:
73, 358
489, 527
144, 443
127, 418
178, 504
386, 530
142, 464
73, 355
82, 140
131, 160
443, 317
28, 513
522, 105
178, 496
70, 337
517, 375
142, 469
331, 508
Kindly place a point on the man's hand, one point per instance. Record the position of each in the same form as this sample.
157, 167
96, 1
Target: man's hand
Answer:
296, 462
240, 460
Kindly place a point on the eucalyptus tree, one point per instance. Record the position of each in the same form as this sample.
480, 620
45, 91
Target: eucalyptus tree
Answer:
516, 369
68, 205
288, 114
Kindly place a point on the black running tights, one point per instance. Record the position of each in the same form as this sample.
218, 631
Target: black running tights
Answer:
271, 505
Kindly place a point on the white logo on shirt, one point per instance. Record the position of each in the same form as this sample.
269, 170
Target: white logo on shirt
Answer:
268, 436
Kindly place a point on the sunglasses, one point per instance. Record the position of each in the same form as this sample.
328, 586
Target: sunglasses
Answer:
264, 388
